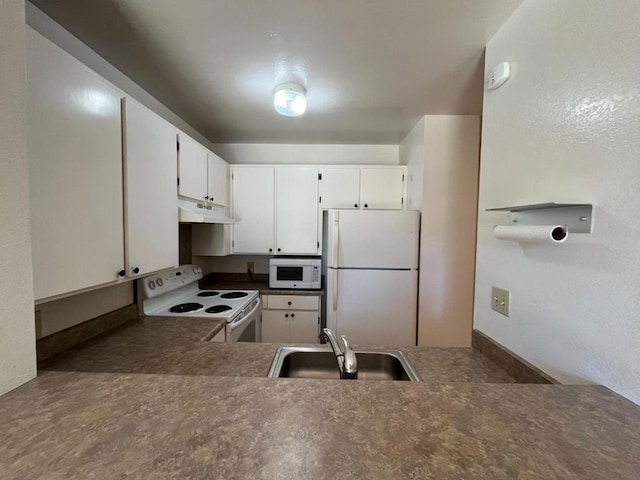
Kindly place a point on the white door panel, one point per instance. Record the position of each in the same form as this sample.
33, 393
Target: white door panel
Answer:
373, 239
253, 191
339, 188
218, 179
151, 213
75, 155
382, 188
297, 210
377, 307
192, 164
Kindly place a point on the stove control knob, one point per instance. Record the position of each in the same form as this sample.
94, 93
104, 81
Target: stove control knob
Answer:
152, 285
159, 282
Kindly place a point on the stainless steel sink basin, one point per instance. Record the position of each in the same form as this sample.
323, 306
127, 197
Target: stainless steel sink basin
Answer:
320, 362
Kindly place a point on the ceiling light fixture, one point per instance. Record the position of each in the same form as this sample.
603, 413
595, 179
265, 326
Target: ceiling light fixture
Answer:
290, 99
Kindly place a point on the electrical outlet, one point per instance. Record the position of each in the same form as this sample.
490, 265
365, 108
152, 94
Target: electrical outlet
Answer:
500, 300
251, 267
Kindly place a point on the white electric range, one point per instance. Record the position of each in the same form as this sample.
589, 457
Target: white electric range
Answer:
175, 293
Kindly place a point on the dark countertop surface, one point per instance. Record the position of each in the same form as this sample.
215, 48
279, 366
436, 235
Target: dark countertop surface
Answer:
241, 281
68, 425
177, 408
168, 345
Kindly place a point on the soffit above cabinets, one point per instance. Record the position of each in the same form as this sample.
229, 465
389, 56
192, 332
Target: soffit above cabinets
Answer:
371, 67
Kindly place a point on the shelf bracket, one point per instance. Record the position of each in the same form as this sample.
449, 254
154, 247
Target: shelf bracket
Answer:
578, 217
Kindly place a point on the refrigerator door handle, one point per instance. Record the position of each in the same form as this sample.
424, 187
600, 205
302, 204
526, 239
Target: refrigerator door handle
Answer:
336, 236
335, 290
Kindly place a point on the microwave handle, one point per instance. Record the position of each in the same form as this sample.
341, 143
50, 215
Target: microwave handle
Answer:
336, 237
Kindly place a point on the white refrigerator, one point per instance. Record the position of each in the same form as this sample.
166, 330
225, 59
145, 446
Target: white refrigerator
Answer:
371, 259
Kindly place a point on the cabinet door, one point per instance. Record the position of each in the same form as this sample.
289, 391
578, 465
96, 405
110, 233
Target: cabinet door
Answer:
150, 162
382, 188
192, 164
218, 179
253, 190
339, 188
275, 326
303, 327
297, 210
75, 155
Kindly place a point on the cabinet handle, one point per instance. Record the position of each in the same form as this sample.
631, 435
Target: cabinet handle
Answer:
355, 205
278, 249
207, 197
287, 315
288, 303
136, 270
293, 315
366, 206
271, 249
122, 273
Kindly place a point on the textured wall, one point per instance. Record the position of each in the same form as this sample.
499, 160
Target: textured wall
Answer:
565, 128
411, 154
308, 154
17, 331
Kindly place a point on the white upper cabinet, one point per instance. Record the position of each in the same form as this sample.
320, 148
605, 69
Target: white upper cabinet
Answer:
383, 188
151, 213
297, 210
253, 209
339, 187
218, 179
276, 210
75, 154
192, 169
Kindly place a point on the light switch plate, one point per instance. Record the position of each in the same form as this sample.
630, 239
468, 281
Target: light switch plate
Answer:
500, 300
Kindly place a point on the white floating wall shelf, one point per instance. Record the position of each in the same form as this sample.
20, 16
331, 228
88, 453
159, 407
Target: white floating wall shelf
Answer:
578, 217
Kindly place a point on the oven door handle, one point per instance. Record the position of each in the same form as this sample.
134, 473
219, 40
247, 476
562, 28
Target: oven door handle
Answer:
244, 320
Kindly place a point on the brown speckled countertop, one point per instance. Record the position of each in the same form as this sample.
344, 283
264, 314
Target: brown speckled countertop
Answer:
174, 407
73, 425
241, 281
168, 345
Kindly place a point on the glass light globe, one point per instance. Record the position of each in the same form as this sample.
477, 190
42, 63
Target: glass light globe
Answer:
290, 99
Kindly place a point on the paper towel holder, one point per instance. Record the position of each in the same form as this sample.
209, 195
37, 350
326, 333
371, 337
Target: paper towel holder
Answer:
578, 217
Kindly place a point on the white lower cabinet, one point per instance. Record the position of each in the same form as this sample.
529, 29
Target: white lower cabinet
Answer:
290, 319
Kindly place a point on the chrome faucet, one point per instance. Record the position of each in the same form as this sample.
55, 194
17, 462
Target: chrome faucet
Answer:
347, 364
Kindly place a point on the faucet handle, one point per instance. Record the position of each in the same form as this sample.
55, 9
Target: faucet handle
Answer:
349, 359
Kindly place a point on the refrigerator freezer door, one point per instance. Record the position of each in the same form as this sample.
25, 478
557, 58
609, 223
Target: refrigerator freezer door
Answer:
372, 239
373, 307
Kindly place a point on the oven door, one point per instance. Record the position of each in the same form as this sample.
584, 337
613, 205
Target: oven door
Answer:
246, 328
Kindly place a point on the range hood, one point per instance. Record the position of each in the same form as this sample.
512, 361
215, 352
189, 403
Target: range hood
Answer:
192, 212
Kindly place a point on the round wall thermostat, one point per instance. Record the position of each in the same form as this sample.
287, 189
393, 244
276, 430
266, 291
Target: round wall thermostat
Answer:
498, 75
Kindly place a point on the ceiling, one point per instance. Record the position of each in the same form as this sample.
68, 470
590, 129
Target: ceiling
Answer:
371, 67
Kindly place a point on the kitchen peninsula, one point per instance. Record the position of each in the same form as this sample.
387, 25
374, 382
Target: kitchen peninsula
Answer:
116, 407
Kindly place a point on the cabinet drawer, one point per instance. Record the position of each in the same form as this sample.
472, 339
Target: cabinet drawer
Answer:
293, 302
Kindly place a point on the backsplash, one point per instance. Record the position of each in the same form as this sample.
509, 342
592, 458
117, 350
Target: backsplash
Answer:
232, 264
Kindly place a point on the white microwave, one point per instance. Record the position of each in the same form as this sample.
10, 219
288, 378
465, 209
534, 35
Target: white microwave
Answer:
295, 273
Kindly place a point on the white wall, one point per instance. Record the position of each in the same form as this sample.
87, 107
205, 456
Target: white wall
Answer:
17, 331
411, 153
566, 128
308, 154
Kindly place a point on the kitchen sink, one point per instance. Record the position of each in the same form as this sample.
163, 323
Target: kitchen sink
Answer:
320, 363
